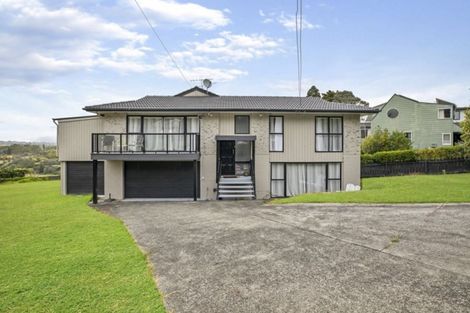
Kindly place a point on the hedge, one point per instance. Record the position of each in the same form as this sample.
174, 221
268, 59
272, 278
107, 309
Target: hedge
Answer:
442, 153
394, 156
13, 172
428, 154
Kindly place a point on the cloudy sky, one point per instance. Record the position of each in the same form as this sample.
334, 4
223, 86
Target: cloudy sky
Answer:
58, 56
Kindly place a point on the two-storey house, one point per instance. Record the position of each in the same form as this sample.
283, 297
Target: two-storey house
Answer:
426, 124
201, 145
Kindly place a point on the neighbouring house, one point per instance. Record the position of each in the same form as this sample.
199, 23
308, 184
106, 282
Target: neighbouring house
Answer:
426, 124
459, 114
201, 145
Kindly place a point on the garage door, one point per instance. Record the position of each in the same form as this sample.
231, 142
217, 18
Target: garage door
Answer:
80, 177
159, 179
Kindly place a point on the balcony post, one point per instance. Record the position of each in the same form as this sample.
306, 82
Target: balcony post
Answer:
195, 180
95, 181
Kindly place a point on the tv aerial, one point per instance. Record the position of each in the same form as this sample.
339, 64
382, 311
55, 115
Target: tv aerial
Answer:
205, 83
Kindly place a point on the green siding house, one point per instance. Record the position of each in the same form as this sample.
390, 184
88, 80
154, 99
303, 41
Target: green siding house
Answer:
426, 124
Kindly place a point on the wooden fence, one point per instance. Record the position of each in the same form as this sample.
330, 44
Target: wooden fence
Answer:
419, 167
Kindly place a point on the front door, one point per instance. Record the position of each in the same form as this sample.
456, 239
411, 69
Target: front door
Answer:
227, 157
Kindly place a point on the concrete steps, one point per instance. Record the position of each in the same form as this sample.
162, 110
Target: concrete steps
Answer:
236, 188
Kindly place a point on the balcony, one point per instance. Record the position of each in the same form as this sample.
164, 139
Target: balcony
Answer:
147, 146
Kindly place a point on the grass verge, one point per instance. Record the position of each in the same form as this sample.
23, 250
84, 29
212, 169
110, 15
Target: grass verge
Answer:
59, 255
397, 189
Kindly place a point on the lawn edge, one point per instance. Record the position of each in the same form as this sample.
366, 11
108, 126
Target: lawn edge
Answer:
106, 211
368, 204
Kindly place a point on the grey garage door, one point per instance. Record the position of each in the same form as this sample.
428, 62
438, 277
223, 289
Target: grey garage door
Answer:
80, 177
159, 180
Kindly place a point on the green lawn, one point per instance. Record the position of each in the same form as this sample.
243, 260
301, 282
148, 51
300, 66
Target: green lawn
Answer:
59, 255
399, 189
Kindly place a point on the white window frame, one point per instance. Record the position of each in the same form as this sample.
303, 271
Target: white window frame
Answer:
443, 116
450, 139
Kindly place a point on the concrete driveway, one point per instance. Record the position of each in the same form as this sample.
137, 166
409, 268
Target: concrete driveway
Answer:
250, 257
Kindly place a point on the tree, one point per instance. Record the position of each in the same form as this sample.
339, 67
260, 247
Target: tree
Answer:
313, 92
465, 126
344, 96
383, 140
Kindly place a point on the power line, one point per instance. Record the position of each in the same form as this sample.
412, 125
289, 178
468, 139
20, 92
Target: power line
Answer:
163, 45
298, 38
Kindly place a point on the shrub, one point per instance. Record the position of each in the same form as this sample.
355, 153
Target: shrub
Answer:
13, 172
465, 126
383, 140
394, 156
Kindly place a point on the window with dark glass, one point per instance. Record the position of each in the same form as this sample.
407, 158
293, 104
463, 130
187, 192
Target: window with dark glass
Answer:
365, 129
328, 134
242, 124
276, 133
443, 113
408, 135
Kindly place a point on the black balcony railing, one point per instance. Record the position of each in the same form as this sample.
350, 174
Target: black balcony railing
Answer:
147, 143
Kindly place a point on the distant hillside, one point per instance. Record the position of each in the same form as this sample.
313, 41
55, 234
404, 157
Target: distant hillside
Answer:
12, 142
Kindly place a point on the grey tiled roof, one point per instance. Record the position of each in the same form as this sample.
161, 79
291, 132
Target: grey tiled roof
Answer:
230, 103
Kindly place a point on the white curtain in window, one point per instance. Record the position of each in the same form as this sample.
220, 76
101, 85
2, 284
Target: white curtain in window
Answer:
336, 127
275, 142
295, 179
334, 172
134, 142
276, 124
192, 126
277, 186
321, 127
336, 142
316, 177
277, 171
154, 142
174, 125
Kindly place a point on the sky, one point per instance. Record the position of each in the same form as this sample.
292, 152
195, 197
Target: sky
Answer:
58, 56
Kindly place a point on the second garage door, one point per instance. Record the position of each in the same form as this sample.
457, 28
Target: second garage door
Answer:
159, 179
80, 177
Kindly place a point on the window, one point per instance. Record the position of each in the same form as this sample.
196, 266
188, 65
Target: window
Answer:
328, 134
289, 179
457, 115
408, 135
334, 177
277, 180
162, 133
446, 140
276, 133
443, 114
365, 129
242, 124
392, 113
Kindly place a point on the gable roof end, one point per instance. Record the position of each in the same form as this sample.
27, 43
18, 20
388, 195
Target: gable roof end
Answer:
198, 89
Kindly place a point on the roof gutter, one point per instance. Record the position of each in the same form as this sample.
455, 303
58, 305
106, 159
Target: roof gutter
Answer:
232, 110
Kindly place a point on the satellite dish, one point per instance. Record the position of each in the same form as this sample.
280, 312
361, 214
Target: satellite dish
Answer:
207, 83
